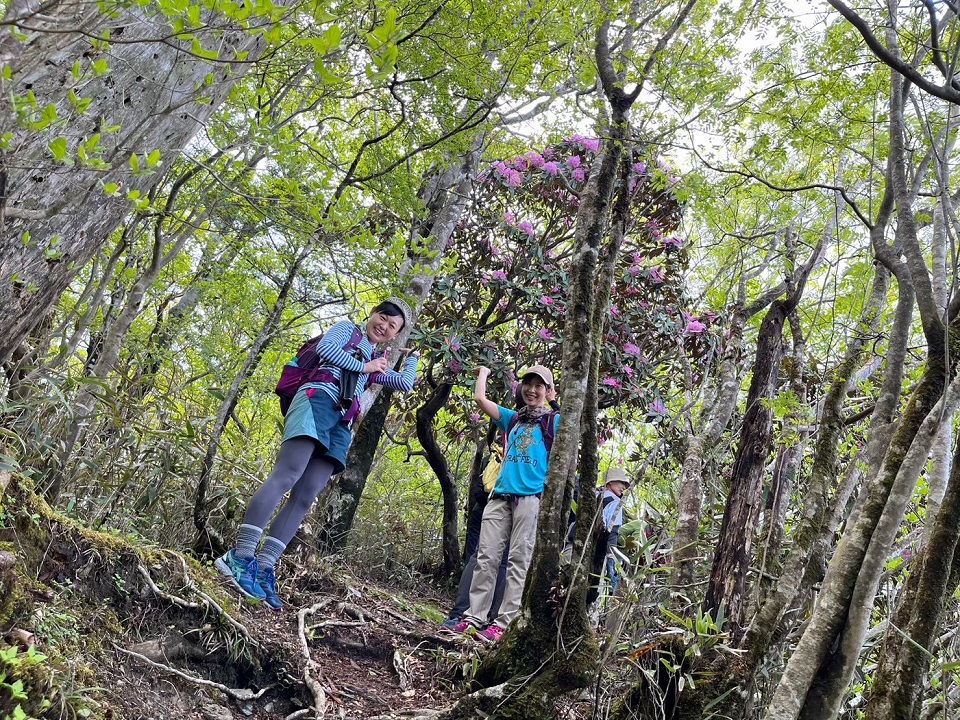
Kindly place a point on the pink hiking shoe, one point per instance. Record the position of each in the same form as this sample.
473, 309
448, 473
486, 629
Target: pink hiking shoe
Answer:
465, 627
491, 634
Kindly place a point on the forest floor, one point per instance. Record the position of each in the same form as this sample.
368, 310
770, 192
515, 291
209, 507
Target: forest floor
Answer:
109, 628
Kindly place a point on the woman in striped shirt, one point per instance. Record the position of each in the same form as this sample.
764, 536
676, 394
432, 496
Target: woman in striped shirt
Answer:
316, 437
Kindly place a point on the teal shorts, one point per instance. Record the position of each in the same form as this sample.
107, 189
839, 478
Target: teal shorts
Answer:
313, 414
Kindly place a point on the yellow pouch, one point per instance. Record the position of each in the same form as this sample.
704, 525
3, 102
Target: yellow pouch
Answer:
492, 471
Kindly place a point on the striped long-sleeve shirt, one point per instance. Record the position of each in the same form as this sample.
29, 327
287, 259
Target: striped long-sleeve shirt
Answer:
330, 348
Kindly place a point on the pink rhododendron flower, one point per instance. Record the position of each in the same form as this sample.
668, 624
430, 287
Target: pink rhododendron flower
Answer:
591, 144
551, 168
644, 304
612, 382
454, 367
639, 168
656, 274
693, 325
520, 162
453, 341
631, 349
508, 218
673, 241
544, 334
527, 228
573, 161
513, 178
499, 275
578, 175
547, 152
474, 417
628, 371
657, 408
614, 310
546, 300
634, 270
534, 159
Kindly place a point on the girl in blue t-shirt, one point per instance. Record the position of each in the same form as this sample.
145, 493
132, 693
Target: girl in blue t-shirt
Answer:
514, 506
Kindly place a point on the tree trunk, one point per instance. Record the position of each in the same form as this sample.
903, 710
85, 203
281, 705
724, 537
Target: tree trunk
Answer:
901, 675
55, 220
550, 648
732, 558
426, 414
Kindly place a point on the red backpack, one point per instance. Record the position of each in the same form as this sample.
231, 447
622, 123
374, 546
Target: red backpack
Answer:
306, 367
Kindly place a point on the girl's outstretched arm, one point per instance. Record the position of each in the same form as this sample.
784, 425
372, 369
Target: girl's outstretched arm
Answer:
489, 407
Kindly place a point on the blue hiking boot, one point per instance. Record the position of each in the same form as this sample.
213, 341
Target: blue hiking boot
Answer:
242, 573
268, 584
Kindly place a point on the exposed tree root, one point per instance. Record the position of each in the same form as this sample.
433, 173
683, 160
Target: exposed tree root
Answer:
309, 668
235, 693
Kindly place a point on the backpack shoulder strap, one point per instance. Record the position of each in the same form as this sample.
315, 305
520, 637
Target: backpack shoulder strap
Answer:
546, 428
356, 337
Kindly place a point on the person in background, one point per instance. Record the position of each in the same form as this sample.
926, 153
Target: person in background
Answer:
611, 504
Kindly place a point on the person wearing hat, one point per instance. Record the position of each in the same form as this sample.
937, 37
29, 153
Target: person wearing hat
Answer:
316, 437
511, 514
611, 503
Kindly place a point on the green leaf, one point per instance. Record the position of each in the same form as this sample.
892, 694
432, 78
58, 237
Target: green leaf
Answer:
58, 148
332, 37
198, 50
153, 159
111, 188
100, 67
134, 163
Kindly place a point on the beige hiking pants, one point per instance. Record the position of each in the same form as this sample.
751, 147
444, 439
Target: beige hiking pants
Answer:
513, 521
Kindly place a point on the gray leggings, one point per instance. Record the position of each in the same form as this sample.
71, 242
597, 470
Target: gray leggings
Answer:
295, 468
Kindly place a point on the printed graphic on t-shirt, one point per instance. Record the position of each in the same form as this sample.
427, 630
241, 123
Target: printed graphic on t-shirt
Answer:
524, 440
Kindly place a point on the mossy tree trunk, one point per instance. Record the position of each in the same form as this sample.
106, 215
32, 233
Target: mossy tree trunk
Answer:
550, 649
818, 673
901, 675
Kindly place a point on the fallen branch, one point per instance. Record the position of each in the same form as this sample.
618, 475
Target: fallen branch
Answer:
338, 623
235, 693
398, 616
